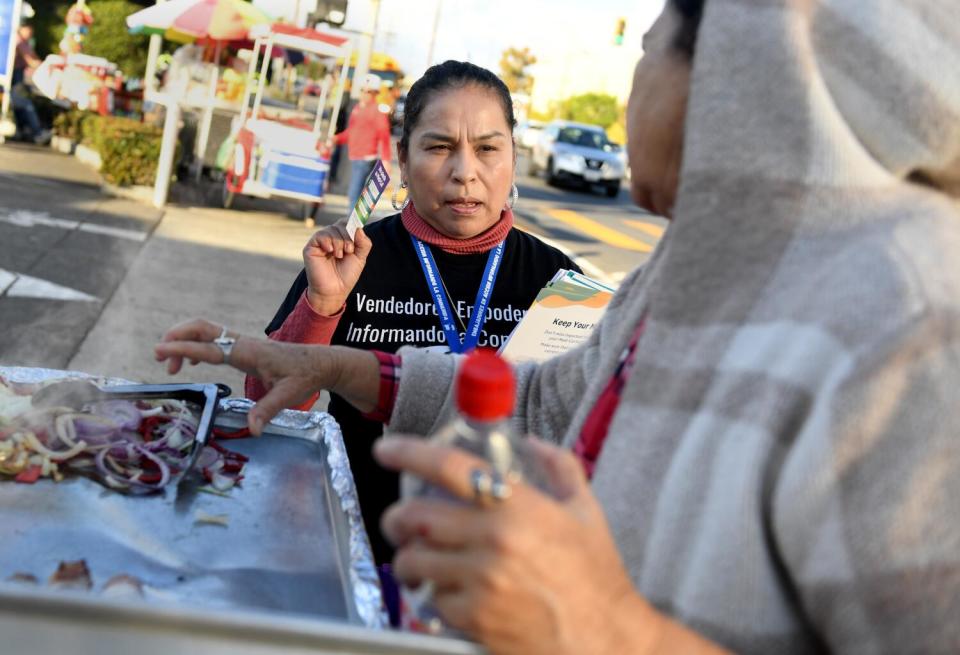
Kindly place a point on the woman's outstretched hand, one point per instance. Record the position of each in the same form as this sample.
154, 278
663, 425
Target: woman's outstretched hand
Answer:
531, 574
333, 262
290, 372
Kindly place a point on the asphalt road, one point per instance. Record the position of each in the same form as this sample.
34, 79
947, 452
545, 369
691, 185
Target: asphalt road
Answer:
609, 236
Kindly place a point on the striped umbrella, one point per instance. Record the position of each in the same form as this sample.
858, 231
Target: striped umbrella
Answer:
189, 20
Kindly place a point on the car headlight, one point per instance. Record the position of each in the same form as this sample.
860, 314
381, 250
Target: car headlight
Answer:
615, 167
571, 162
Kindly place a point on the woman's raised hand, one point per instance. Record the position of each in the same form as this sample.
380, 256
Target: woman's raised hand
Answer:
333, 262
530, 574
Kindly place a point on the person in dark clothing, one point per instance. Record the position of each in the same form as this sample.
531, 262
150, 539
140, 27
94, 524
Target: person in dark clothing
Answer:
457, 161
342, 116
26, 61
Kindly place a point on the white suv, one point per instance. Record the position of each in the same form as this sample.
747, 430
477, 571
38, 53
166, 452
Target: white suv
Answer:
578, 153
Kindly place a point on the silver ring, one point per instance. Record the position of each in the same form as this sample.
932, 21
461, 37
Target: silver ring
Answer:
488, 487
225, 344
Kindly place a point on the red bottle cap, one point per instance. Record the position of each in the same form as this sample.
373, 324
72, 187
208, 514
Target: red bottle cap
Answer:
485, 386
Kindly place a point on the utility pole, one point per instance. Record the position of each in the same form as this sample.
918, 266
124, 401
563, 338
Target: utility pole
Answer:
365, 53
376, 23
433, 34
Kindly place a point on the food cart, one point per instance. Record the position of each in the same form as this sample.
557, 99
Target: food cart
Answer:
284, 159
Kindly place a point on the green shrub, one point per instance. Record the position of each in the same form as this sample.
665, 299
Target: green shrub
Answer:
68, 124
91, 129
128, 149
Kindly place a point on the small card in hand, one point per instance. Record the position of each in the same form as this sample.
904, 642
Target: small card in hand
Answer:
373, 188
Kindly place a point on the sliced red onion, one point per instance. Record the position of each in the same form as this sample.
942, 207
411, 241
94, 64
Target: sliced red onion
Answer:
108, 476
161, 465
207, 457
93, 425
123, 412
105, 444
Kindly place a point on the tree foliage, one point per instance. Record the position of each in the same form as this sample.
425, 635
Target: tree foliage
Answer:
591, 108
108, 35
514, 65
109, 38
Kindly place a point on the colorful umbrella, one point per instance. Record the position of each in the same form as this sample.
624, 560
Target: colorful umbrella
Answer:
189, 20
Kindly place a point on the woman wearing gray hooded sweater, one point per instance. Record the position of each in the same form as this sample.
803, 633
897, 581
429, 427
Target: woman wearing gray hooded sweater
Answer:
769, 410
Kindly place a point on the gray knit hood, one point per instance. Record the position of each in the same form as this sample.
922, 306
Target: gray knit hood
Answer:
805, 118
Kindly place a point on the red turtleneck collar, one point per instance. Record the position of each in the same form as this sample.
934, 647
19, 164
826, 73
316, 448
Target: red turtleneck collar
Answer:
483, 242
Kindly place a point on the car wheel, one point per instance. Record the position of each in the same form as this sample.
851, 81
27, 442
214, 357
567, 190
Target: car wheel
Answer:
613, 190
551, 176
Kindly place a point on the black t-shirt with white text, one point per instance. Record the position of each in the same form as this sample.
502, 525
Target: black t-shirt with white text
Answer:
391, 306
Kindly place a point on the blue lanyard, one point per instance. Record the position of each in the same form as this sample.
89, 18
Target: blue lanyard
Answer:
479, 314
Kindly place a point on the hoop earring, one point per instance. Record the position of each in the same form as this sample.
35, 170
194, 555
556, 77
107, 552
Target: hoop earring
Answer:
514, 196
393, 198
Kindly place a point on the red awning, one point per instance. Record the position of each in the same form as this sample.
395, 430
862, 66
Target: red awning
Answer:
306, 33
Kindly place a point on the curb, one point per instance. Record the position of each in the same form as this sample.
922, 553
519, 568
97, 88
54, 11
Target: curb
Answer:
138, 192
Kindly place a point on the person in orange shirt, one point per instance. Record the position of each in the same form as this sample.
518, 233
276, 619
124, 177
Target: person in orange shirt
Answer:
367, 134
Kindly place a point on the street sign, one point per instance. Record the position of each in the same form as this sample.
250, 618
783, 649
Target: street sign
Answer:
9, 24
9, 20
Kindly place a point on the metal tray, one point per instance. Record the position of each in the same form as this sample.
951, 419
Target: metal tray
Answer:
294, 543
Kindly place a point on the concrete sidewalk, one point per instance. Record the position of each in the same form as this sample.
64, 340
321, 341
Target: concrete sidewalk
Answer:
232, 267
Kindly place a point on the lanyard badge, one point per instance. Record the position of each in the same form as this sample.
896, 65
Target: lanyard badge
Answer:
479, 314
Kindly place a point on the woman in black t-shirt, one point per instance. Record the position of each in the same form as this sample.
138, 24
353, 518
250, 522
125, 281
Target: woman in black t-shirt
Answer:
448, 272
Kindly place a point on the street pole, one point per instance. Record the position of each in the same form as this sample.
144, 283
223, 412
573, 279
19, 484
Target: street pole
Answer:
168, 146
376, 23
8, 74
365, 53
171, 122
433, 34
153, 53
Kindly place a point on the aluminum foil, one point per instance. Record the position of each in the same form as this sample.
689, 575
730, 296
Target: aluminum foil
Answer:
363, 571
24, 375
364, 581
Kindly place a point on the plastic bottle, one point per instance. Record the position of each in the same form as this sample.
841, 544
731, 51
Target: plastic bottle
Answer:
485, 389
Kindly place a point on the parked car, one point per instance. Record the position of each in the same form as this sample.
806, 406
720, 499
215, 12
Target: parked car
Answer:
527, 133
575, 152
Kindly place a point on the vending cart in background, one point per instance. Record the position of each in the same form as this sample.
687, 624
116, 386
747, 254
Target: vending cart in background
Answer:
275, 158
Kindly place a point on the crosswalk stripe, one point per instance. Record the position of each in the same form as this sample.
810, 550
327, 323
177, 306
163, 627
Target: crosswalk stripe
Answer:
649, 228
26, 218
599, 231
17, 285
585, 264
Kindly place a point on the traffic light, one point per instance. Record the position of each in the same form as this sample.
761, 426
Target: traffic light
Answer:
618, 35
333, 12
